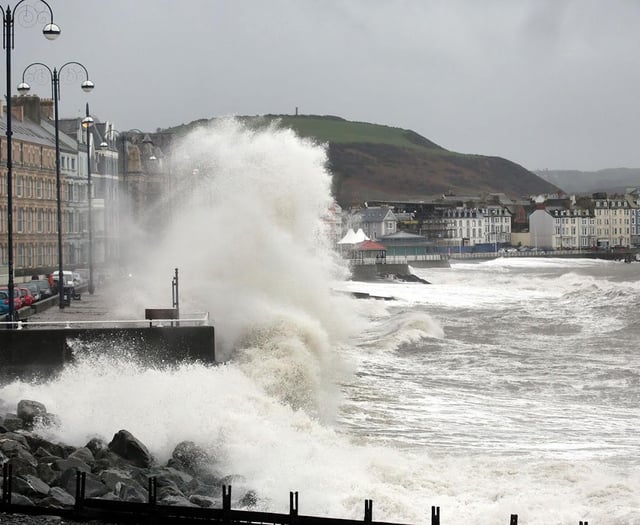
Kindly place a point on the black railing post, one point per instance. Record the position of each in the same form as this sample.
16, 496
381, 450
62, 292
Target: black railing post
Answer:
81, 480
368, 510
226, 504
435, 515
293, 507
152, 491
514, 519
175, 296
7, 471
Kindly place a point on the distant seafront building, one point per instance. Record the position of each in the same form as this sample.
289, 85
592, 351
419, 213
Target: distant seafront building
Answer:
375, 221
613, 220
34, 202
633, 195
475, 226
35, 223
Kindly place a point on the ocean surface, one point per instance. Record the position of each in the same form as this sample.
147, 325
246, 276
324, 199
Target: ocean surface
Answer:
509, 386
515, 382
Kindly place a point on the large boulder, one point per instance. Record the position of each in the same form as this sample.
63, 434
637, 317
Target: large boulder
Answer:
93, 487
58, 498
83, 454
128, 447
120, 481
44, 447
30, 411
30, 486
19, 499
69, 463
46, 473
14, 437
189, 457
12, 423
96, 446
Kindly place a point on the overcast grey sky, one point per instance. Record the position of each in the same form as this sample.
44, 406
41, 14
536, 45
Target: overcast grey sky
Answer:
545, 83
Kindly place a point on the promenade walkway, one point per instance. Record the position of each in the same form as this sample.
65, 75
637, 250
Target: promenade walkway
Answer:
90, 309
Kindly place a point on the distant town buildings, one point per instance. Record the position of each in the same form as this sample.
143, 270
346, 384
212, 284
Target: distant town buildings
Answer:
493, 221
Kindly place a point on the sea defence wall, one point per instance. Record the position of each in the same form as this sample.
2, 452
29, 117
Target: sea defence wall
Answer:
41, 352
370, 272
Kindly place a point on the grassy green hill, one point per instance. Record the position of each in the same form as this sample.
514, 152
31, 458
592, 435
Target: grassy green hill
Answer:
375, 162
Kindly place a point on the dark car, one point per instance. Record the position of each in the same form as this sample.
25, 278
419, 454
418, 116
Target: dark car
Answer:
34, 289
45, 289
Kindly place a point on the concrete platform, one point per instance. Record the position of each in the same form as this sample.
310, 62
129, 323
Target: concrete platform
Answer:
47, 339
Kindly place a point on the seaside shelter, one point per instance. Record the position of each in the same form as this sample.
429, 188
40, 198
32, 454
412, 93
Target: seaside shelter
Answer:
370, 252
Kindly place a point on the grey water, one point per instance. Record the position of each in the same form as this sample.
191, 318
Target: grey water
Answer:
525, 370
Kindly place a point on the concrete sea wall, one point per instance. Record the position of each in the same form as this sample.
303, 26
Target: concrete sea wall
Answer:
42, 352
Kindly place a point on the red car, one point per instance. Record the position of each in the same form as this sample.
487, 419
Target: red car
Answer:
25, 294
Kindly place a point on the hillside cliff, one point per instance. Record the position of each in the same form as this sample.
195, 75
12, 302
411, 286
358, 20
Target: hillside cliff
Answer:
376, 162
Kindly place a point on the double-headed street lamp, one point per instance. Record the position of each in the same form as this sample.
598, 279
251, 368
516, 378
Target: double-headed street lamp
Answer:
23, 88
51, 31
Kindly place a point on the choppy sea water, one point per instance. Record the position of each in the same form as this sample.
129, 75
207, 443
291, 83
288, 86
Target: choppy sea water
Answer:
505, 387
516, 380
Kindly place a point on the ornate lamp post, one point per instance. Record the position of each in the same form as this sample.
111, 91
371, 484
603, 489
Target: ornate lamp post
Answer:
87, 86
51, 31
87, 122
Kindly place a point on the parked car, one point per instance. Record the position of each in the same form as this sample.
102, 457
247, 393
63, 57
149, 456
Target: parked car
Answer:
45, 289
4, 302
80, 275
25, 294
34, 289
17, 297
67, 277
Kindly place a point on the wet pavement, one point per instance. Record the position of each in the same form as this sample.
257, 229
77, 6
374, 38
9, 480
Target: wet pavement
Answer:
89, 308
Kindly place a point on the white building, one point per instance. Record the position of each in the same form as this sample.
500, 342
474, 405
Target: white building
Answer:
541, 229
573, 229
473, 226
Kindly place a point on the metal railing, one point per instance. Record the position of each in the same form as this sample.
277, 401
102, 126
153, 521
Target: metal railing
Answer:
193, 319
86, 509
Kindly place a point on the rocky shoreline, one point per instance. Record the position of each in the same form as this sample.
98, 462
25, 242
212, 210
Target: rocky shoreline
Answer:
44, 473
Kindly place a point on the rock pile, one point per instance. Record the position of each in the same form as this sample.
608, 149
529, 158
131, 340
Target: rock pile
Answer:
44, 473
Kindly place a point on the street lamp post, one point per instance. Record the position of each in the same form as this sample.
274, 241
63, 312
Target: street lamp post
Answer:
87, 122
51, 31
87, 86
